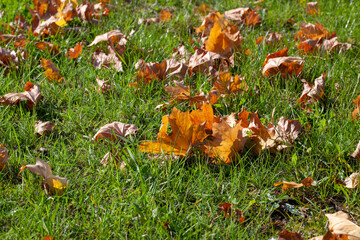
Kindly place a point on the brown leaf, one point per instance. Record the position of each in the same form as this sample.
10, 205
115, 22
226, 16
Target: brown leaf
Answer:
339, 223
202, 9
47, 47
204, 114
208, 23
226, 142
4, 156
226, 208
312, 8
113, 157
286, 132
289, 185
321, 44
313, 31
286, 235
42, 127
75, 51
52, 72
32, 96
113, 131
112, 37
55, 184
103, 86
307, 181
237, 15
180, 53
272, 39
279, 62
101, 59
225, 84
353, 180
184, 136
312, 93
206, 62
8, 58
148, 21
252, 19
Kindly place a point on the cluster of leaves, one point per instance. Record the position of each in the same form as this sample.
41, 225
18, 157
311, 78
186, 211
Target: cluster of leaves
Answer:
199, 130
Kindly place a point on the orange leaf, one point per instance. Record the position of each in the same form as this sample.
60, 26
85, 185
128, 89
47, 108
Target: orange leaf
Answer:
75, 51
4, 156
312, 8
184, 136
165, 15
286, 235
226, 84
312, 93
226, 207
47, 47
52, 72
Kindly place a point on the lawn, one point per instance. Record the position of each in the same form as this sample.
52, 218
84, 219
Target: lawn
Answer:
159, 196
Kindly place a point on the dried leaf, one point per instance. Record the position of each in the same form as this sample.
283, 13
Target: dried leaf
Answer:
103, 86
4, 156
339, 223
272, 39
223, 42
184, 136
32, 96
353, 180
307, 181
208, 23
204, 114
289, 185
55, 184
313, 31
312, 93
114, 130
165, 15
226, 141
202, 9
225, 84
75, 51
52, 72
112, 37
237, 15
286, 235
312, 8
279, 62
42, 127
206, 62
113, 157
226, 208
46, 46
100, 59
357, 108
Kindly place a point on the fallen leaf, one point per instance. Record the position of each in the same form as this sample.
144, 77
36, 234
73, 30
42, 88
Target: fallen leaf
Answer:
75, 51
272, 39
226, 141
352, 181
112, 37
226, 208
321, 44
148, 21
113, 131
31, 96
202, 9
286, 235
184, 136
204, 114
226, 84
312, 92
279, 62
55, 184
206, 62
165, 15
103, 86
208, 23
43, 127
237, 15
101, 59
339, 223
113, 157
290, 185
224, 42
357, 108
47, 47
4, 156
313, 31
52, 72
312, 8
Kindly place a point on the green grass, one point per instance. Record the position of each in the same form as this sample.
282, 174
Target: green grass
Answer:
134, 203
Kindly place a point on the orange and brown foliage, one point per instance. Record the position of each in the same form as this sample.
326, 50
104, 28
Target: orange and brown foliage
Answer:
52, 73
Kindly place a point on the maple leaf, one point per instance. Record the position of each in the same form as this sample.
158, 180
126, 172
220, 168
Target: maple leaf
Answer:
47, 47
112, 37
237, 15
42, 127
226, 84
223, 42
204, 114
312, 92
75, 51
357, 108
4, 156
226, 141
113, 131
290, 185
165, 15
208, 23
55, 184
8, 58
52, 72
207, 62
312, 8
280, 62
90, 13
180, 53
184, 136
321, 44
356, 153
32, 96
313, 31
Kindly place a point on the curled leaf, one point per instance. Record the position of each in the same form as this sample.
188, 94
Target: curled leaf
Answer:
353, 180
52, 72
75, 51
4, 156
42, 127
312, 92
113, 131
31, 96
